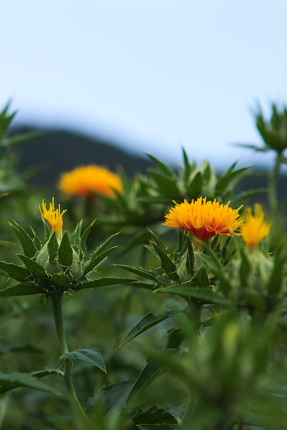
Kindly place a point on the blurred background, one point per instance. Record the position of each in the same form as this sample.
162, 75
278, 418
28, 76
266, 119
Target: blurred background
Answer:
143, 75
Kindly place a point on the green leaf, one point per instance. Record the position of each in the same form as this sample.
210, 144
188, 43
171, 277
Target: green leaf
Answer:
217, 268
225, 181
155, 418
162, 166
244, 270
22, 289
166, 184
61, 280
96, 259
166, 263
89, 356
102, 282
150, 372
140, 272
194, 189
65, 253
190, 258
16, 272
85, 235
146, 323
275, 282
53, 246
12, 347
47, 372
201, 278
8, 381
33, 266
203, 294
26, 241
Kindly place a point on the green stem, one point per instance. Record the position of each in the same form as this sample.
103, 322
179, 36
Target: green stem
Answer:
58, 316
273, 187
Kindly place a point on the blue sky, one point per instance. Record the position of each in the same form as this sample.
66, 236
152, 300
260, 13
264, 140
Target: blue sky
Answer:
153, 75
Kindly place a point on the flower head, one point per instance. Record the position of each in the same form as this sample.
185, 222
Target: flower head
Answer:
86, 180
204, 219
53, 216
254, 228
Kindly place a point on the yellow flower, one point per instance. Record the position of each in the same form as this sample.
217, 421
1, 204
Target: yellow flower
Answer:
53, 216
204, 219
87, 180
254, 228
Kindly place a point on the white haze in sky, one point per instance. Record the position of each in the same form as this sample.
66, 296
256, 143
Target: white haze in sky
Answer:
153, 75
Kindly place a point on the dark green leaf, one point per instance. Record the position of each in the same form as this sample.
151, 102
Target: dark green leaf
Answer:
155, 418
96, 259
33, 266
275, 282
65, 253
194, 189
189, 258
85, 235
26, 241
105, 282
166, 184
22, 289
89, 356
61, 280
201, 278
203, 294
140, 272
225, 181
166, 263
244, 270
146, 377
146, 323
53, 246
8, 381
162, 166
16, 272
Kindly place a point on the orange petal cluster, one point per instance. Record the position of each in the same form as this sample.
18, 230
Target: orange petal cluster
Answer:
88, 180
204, 219
53, 216
255, 228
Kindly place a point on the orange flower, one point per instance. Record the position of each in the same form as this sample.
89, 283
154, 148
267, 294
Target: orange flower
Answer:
53, 216
255, 228
204, 219
87, 180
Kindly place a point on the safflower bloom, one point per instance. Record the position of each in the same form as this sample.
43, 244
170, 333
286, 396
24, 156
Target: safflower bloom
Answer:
204, 219
254, 228
53, 216
86, 180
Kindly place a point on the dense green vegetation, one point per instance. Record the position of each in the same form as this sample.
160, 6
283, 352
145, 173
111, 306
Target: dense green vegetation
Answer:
115, 321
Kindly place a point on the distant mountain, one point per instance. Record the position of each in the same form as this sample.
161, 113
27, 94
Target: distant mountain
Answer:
57, 151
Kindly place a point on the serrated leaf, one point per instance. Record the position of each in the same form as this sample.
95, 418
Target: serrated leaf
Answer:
194, 189
102, 282
22, 289
65, 252
14, 271
166, 263
89, 356
189, 258
8, 381
61, 280
140, 272
162, 166
53, 246
225, 181
150, 372
96, 260
166, 184
85, 235
25, 240
33, 266
202, 294
145, 323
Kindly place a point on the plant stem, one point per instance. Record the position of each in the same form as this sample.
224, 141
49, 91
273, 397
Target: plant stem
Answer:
58, 316
273, 188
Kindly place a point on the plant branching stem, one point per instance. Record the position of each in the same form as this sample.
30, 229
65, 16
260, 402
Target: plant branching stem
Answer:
58, 316
273, 188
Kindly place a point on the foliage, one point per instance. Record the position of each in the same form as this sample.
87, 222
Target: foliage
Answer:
192, 336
